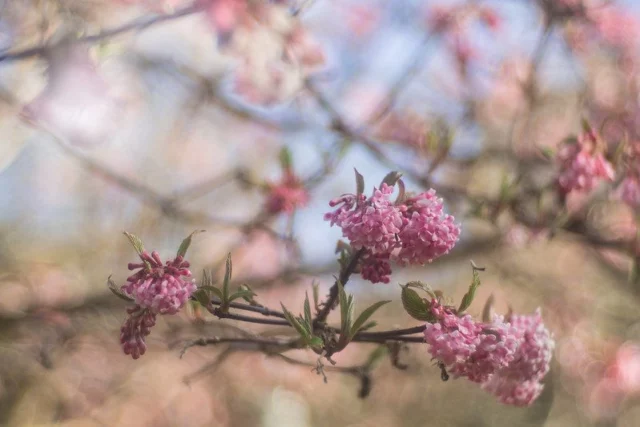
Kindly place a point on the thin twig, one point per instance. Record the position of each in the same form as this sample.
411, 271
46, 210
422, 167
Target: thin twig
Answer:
345, 274
137, 24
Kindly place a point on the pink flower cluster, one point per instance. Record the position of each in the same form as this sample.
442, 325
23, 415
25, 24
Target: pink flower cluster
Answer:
160, 288
287, 195
582, 166
519, 383
375, 268
135, 329
630, 191
507, 358
156, 288
428, 232
416, 231
373, 224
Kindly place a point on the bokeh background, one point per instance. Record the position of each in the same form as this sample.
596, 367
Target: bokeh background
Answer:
176, 122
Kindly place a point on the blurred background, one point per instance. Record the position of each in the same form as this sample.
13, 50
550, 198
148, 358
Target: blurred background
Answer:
163, 117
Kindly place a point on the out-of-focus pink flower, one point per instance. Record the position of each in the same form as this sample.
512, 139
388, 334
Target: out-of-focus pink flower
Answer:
582, 167
224, 15
440, 18
490, 18
75, 102
157, 287
306, 51
463, 51
362, 19
406, 128
630, 191
428, 232
626, 368
375, 268
616, 26
371, 223
137, 326
287, 195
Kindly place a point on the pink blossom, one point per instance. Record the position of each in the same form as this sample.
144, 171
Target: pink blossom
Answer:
307, 52
75, 101
518, 383
375, 268
512, 392
406, 128
428, 232
626, 368
371, 223
157, 287
630, 191
468, 348
135, 329
581, 166
508, 358
224, 15
490, 18
286, 196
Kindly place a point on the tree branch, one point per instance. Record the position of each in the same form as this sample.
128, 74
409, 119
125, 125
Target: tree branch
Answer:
345, 274
137, 24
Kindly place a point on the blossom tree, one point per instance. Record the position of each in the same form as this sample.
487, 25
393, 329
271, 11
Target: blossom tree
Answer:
468, 136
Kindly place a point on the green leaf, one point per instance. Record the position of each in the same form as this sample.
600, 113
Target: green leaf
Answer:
350, 309
241, 293
227, 279
114, 289
202, 296
296, 324
316, 294
206, 279
212, 290
368, 326
359, 182
307, 311
547, 152
285, 158
467, 299
344, 307
391, 178
364, 316
315, 342
248, 298
415, 306
184, 246
634, 271
586, 127
135, 242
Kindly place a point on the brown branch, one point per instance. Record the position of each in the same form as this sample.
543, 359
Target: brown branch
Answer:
137, 24
345, 274
393, 333
222, 315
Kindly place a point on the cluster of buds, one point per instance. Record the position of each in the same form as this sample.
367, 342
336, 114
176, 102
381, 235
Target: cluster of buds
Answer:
583, 164
454, 22
411, 230
507, 357
289, 193
156, 288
